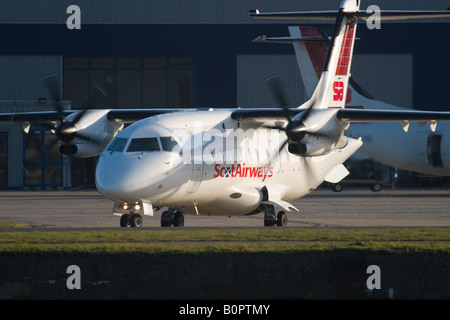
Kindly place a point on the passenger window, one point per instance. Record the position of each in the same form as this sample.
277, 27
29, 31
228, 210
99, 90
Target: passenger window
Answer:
118, 144
143, 144
168, 144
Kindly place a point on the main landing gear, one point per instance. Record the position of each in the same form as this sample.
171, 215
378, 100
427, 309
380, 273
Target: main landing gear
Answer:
271, 219
172, 217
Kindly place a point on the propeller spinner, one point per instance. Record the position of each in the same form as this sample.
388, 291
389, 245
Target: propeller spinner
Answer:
295, 130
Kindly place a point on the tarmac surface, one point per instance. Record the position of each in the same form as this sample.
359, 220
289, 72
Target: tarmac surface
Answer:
321, 208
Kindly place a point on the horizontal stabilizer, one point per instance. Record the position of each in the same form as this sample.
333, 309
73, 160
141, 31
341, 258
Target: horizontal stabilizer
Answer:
367, 115
289, 40
388, 15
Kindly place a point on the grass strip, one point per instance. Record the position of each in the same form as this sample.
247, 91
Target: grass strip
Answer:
267, 234
388, 240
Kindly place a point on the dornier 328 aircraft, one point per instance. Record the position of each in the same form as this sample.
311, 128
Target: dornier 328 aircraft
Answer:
231, 162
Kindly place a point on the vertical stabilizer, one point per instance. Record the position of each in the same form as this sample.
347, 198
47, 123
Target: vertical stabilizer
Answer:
331, 90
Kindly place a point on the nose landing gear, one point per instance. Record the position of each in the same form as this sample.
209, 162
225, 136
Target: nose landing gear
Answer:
131, 220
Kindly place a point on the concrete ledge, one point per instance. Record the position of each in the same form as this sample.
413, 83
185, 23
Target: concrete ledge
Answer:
225, 276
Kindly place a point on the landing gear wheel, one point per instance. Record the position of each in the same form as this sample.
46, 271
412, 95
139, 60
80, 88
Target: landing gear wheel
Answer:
178, 219
166, 219
376, 187
282, 219
270, 219
135, 220
172, 218
124, 220
269, 223
337, 187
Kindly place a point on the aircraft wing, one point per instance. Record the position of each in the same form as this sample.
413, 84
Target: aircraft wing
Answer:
118, 115
36, 117
263, 114
404, 117
368, 115
133, 115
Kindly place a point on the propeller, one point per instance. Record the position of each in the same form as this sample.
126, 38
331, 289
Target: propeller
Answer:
295, 130
66, 130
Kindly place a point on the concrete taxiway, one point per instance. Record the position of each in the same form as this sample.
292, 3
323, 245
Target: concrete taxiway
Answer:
321, 208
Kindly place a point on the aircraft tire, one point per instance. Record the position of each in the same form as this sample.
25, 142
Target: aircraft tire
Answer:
135, 220
124, 220
165, 219
178, 219
376, 187
282, 219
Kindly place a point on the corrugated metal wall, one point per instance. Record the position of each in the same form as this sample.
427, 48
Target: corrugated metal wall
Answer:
387, 77
253, 91
21, 76
21, 86
177, 11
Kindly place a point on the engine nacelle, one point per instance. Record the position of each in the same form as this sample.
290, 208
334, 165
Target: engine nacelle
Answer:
93, 133
317, 146
81, 150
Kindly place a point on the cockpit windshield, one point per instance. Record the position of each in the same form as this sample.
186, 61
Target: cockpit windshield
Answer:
118, 144
143, 144
168, 144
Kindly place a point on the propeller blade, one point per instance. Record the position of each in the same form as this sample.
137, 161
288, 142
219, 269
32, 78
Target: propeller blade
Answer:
99, 95
283, 145
274, 83
274, 127
79, 115
53, 87
51, 145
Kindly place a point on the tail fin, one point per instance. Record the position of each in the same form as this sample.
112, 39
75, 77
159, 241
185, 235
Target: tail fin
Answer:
310, 55
331, 90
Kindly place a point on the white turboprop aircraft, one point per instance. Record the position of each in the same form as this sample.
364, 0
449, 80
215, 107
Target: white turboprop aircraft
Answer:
229, 162
411, 147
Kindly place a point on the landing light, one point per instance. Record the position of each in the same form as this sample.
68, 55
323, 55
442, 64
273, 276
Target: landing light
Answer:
137, 207
125, 206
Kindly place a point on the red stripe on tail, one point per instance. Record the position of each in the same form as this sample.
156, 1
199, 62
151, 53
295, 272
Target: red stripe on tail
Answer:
317, 50
346, 49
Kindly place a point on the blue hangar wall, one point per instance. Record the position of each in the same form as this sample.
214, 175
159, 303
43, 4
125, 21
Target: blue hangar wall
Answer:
215, 47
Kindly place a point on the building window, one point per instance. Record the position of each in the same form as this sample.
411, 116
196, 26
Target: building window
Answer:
42, 163
131, 82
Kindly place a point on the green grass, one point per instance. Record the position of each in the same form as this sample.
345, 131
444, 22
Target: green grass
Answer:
7, 224
386, 240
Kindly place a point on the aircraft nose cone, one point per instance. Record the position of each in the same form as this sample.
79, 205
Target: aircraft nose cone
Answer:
124, 177
113, 179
